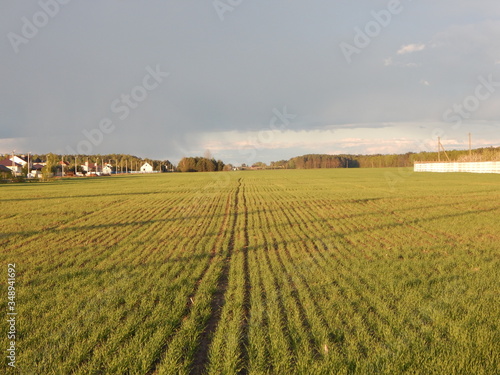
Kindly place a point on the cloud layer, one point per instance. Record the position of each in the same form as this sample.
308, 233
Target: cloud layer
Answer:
229, 77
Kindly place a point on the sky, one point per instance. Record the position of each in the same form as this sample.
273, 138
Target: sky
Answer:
248, 80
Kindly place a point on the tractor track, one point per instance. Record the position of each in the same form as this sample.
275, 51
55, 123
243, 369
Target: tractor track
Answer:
200, 360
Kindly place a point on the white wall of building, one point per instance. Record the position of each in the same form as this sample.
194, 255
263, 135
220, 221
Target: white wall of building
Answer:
470, 167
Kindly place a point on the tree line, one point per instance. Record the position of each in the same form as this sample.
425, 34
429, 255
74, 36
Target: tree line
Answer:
311, 161
126, 163
202, 164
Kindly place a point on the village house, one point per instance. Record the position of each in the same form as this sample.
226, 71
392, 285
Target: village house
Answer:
98, 169
4, 171
23, 159
36, 170
91, 168
38, 161
15, 164
147, 168
15, 168
64, 165
107, 169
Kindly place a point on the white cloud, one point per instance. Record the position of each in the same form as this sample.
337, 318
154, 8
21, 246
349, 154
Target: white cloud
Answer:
265, 139
349, 138
7, 145
390, 62
410, 48
424, 82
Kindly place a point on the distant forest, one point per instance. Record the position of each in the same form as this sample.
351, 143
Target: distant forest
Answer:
202, 164
312, 161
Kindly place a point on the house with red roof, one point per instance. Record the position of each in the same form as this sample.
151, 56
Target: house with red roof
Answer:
14, 167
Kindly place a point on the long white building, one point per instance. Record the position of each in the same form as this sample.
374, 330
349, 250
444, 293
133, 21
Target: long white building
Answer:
470, 167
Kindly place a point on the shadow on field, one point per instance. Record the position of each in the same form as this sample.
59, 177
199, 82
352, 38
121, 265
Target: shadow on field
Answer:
97, 195
62, 228
330, 235
108, 264
72, 181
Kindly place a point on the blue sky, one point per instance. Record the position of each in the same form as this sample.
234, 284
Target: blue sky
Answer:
248, 80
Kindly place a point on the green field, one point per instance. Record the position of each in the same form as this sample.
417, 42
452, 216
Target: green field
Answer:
273, 272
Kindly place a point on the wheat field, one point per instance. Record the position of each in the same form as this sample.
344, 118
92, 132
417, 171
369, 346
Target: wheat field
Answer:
268, 272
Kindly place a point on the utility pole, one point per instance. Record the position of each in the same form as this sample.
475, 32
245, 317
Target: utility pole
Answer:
29, 169
470, 147
439, 148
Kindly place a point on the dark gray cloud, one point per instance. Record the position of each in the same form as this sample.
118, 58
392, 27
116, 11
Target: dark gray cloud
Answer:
230, 75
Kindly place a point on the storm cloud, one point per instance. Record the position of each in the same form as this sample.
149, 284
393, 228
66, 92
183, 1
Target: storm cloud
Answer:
68, 65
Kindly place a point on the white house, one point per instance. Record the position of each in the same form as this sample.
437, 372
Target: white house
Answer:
147, 168
91, 168
16, 168
36, 171
107, 169
19, 160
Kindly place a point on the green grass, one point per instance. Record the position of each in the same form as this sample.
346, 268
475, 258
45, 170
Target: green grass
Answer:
360, 271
